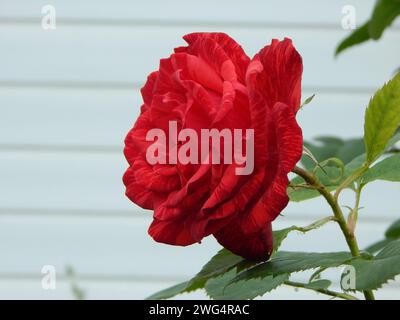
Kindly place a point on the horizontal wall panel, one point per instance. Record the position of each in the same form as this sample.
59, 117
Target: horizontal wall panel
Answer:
253, 11
93, 181
101, 118
108, 247
102, 246
79, 54
22, 288
63, 180
67, 117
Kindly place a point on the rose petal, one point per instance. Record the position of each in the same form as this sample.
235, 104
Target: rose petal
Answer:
232, 49
289, 141
255, 246
148, 89
279, 67
175, 232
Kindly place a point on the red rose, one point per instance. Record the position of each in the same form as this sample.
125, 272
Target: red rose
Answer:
212, 83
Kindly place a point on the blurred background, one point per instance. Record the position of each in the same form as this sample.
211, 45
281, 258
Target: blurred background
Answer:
69, 95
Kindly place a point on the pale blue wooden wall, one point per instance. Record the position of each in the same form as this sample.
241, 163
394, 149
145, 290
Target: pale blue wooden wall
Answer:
68, 97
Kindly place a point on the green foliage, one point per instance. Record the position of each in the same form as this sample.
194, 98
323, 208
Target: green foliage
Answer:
378, 246
351, 152
77, 292
222, 269
384, 13
169, 292
318, 284
381, 122
288, 262
382, 118
281, 235
222, 262
373, 273
326, 147
219, 264
394, 140
387, 169
307, 101
221, 287
392, 249
330, 177
358, 36
391, 234
224, 276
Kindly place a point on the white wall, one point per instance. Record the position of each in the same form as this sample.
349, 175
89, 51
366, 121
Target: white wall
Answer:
68, 97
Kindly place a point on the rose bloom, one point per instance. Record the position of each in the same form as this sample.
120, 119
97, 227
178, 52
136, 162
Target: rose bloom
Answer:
212, 83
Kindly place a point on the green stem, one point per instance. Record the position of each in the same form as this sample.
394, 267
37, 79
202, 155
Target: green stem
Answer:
358, 173
337, 211
320, 290
315, 225
353, 216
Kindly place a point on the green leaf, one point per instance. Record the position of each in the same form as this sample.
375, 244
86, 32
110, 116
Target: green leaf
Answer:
387, 169
358, 36
307, 101
351, 149
373, 273
351, 152
354, 148
382, 118
280, 235
392, 249
394, 140
360, 160
318, 284
288, 262
322, 149
221, 288
354, 165
169, 292
220, 263
383, 15
302, 194
326, 147
378, 246
223, 261
393, 232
